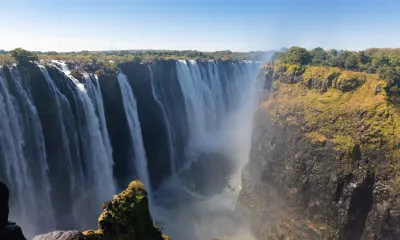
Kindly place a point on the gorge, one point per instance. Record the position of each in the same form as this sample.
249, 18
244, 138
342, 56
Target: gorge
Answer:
228, 149
71, 141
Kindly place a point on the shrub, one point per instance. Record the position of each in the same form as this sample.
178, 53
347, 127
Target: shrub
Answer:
21, 55
107, 68
297, 55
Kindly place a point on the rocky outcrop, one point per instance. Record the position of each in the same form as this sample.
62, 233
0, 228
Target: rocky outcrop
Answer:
324, 157
127, 216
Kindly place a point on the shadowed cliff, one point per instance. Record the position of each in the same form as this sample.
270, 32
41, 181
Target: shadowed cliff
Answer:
324, 158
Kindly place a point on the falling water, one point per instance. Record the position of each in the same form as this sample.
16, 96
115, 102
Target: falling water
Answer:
97, 159
93, 89
204, 93
129, 102
63, 114
220, 100
76, 174
23, 155
167, 121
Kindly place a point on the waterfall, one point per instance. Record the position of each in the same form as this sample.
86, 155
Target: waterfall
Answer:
206, 87
220, 99
96, 153
68, 145
23, 157
90, 170
129, 103
56, 153
167, 121
93, 89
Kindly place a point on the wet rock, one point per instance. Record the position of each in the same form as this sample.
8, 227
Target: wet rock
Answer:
208, 174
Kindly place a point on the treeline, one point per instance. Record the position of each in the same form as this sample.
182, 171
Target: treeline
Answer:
144, 55
385, 62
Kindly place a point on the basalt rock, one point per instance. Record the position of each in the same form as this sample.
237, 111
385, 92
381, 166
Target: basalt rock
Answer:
323, 164
61, 235
208, 173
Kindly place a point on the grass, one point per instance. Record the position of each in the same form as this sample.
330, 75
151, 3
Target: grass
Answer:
345, 118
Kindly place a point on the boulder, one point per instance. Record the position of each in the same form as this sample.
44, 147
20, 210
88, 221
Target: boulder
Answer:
61, 235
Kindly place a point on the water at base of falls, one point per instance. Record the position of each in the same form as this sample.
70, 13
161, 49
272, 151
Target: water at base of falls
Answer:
56, 152
220, 122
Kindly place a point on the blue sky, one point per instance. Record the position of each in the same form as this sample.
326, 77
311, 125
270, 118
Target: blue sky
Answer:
207, 25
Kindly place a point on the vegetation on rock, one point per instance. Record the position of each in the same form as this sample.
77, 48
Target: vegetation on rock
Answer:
140, 55
127, 217
386, 62
21, 55
107, 68
327, 142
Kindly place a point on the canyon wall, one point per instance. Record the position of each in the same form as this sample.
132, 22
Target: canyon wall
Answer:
324, 157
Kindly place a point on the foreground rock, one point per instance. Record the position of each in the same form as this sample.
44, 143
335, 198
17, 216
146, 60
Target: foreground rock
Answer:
127, 216
61, 235
324, 160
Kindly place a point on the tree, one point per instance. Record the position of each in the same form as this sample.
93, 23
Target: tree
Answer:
318, 56
351, 62
390, 75
363, 58
333, 52
297, 55
21, 55
277, 56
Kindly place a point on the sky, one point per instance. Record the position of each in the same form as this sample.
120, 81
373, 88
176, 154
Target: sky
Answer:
205, 25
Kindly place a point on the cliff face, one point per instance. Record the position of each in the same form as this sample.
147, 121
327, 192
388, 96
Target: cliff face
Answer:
324, 158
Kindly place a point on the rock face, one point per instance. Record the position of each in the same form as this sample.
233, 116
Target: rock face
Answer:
324, 157
61, 235
127, 216
208, 173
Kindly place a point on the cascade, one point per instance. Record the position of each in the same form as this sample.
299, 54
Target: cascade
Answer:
129, 103
220, 99
96, 153
23, 159
67, 145
93, 89
167, 121
57, 156
207, 89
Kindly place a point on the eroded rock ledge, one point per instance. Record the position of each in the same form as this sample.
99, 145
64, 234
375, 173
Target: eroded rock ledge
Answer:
127, 216
325, 157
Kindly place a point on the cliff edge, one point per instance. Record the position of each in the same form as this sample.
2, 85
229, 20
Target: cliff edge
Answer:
325, 156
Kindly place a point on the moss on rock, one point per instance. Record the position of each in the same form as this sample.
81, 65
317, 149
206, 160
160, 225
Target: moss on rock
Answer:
127, 217
326, 153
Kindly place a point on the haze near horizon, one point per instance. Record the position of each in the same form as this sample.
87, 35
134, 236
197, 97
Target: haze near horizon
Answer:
207, 25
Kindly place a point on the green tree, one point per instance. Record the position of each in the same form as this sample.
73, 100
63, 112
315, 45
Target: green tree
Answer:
351, 62
277, 56
318, 56
297, 55
390, 75
363, 58
21, 55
